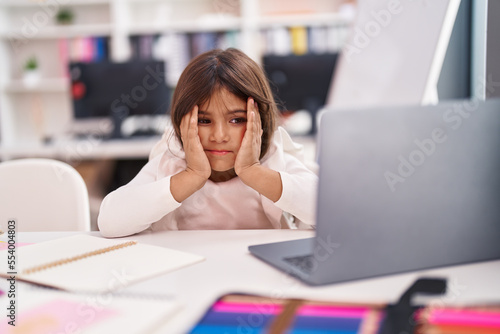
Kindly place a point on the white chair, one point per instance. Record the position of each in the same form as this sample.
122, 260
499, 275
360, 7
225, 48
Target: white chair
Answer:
43, 195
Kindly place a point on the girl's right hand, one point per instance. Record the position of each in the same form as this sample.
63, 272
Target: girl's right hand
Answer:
196, 159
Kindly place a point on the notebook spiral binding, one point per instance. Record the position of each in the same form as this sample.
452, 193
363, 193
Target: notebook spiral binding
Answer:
77, 257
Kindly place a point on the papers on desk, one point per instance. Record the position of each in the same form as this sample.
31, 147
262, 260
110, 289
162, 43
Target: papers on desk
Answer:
4, 244
83, 263
248, 313
241, 313
459, 320
41, 310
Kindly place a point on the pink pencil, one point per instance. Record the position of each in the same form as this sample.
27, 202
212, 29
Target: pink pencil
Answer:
465, 318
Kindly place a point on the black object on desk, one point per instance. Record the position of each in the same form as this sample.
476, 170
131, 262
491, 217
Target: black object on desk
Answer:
398, 317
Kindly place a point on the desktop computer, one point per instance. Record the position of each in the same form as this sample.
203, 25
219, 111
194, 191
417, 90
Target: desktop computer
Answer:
301, 82
107, 92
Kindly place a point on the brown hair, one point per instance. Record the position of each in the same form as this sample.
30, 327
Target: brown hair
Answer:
233, 70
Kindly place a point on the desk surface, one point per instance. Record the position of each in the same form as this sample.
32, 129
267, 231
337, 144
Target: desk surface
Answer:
229, 267
97, 148
84, 149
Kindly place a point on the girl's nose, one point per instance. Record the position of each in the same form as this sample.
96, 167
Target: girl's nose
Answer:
219, 133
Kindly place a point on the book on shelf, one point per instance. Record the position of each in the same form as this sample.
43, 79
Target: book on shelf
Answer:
168, 44
83, 263
174, 49
299, 40
317, 37
177, 49
202, 42
82, 49
142, 46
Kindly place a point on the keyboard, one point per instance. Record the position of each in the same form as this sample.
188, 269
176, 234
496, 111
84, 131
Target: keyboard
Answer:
304, 263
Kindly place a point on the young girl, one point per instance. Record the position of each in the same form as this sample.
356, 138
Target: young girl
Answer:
228, 166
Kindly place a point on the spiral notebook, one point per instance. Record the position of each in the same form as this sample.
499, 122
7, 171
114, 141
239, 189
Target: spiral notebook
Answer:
84, 263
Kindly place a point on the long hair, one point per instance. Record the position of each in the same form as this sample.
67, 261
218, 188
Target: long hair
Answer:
233, 70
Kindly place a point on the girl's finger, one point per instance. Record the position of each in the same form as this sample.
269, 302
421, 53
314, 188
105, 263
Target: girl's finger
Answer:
259, 120
256, 121
250, 115
195, 115
193, 121
185, 126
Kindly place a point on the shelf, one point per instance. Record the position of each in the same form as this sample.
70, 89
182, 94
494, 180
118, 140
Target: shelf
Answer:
147, 28
160, 1
68, 31
71, 150
28, 150
304, 20
28, 3
187, 26
54, 85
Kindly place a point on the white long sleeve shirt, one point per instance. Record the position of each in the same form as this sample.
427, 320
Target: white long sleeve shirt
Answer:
146, 201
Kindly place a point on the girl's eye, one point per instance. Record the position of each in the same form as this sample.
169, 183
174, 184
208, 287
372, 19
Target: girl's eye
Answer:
238, 120
203, 121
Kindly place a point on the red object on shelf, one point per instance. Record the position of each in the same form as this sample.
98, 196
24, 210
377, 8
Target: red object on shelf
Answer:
78, 90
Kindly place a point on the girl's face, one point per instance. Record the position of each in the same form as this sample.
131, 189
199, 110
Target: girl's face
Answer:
222, 124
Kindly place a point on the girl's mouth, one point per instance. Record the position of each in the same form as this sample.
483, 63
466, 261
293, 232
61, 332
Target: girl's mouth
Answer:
218, 152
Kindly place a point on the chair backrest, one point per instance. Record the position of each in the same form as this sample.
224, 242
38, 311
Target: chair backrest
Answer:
43, 195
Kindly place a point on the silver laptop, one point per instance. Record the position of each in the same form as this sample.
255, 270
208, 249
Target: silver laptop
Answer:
400, 189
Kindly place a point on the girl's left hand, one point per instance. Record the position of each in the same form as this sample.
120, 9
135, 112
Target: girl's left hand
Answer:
249, 152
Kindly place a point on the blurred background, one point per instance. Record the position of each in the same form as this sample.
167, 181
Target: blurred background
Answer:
89, 82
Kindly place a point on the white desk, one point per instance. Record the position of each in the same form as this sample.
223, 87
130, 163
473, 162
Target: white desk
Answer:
84, 149
94, 148
229, 267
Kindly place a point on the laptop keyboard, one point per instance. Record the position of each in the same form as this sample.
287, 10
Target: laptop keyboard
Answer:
303, 262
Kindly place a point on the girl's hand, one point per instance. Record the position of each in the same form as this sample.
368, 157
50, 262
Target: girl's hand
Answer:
196, 159
249, 152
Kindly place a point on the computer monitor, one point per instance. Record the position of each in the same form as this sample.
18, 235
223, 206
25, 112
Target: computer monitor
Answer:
301, 82
118, 90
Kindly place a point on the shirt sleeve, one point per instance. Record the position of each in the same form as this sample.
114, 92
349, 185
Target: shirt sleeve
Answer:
133, 207
298, 196
299, 181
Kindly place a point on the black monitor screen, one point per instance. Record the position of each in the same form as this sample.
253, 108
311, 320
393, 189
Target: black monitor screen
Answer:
131, 88
300, 82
